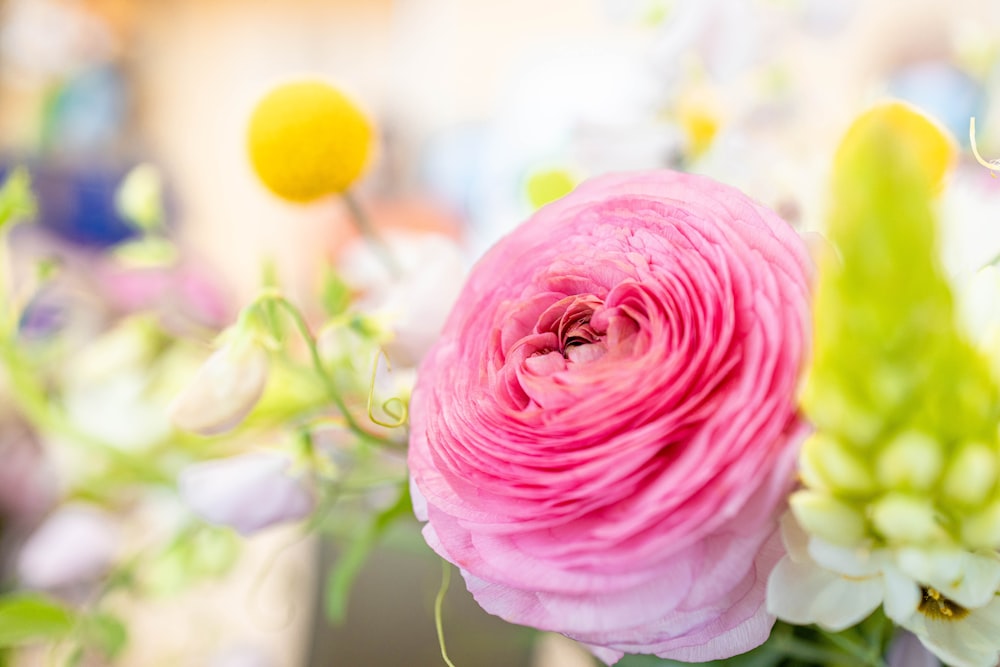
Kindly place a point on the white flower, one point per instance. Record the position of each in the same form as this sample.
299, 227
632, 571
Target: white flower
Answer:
801, 591
957, 612
224, 390
75, 545
944, 595
416, 301
249, 492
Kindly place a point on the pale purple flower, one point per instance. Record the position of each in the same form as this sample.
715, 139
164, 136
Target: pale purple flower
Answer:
241, 655
75, 545
249, 492
906, 650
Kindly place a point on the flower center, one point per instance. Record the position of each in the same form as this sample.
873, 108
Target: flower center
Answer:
937, 607
569, 319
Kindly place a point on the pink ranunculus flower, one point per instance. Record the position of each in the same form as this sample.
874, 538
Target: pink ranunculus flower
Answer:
604, 435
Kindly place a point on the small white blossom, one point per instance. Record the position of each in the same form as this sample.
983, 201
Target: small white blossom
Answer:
224, 390
249, 492
416, 300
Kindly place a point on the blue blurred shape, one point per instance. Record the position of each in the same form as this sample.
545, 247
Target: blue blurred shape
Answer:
942, 90
77, 202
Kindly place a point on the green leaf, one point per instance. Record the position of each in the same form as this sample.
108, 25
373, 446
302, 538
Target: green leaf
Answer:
16, 198
106, 633
26, 618
344, 573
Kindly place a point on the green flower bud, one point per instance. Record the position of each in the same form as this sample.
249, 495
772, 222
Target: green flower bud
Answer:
904, 518
829, 518
837, 465
831, 409
911, 460
982, 529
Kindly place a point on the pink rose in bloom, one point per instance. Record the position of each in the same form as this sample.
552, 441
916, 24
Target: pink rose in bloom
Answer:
605, 433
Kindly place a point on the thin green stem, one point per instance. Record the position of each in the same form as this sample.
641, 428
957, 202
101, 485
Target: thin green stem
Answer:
438, 604
866, 653
807, 651
370, 234
317, 361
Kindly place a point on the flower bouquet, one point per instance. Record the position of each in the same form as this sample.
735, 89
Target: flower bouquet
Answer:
658, 420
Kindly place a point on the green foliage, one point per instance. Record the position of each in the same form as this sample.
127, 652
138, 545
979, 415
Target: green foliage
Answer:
28, 618
197, 553
341, 578
105, 633
800, 646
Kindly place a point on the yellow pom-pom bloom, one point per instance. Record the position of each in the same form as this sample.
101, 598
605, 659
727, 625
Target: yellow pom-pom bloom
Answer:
307, 140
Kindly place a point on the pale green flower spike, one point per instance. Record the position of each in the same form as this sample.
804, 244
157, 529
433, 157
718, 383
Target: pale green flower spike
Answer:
906, 408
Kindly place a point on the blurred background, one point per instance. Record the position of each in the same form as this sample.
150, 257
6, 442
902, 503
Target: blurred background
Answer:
484, 110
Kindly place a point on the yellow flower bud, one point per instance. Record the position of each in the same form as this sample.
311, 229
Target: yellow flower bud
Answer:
911, 460
829, 518
307, 140
971, 474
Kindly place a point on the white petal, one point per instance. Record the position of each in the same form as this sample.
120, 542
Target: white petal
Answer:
949, 640
795, 539
967, 578
850, 561
901, 595
970, 642
981, 628
804, 593
224, 390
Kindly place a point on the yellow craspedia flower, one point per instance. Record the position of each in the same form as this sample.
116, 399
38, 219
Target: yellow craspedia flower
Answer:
307, 139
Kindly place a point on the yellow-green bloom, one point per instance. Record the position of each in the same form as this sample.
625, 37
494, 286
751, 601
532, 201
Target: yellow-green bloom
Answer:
906, 407
900, 505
